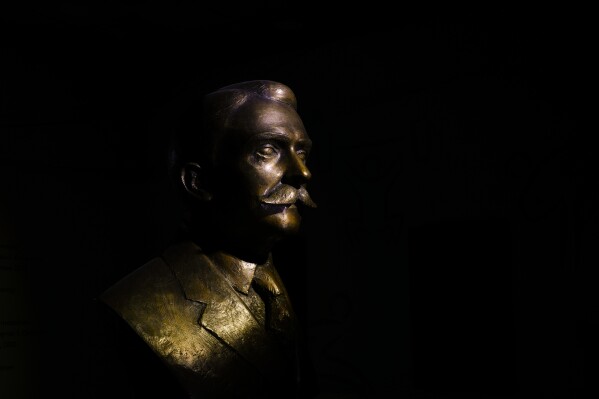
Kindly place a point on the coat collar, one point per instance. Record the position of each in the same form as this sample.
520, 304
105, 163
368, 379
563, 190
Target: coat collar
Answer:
225, 314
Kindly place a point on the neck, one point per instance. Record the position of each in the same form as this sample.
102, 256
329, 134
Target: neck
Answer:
253, 248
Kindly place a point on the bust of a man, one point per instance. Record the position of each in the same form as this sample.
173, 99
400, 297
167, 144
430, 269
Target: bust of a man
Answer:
213, 308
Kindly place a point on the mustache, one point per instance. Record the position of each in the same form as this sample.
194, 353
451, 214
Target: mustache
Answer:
288, 195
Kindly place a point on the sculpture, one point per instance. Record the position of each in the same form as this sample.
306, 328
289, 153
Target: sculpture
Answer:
213, 307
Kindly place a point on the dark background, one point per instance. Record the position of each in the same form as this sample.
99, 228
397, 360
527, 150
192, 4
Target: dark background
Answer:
452, 252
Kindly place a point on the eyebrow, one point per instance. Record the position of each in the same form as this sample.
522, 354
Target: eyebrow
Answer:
274, 135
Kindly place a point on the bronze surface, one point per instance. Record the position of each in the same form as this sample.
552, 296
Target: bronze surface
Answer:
197, 306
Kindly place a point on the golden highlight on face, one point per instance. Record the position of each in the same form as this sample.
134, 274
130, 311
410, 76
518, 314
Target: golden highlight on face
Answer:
268, 164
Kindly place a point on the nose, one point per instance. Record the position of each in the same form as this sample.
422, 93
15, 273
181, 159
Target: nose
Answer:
297, 172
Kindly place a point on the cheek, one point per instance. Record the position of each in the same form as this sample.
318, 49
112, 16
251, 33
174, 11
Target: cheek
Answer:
259, 179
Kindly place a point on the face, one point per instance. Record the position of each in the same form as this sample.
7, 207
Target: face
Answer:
263, 155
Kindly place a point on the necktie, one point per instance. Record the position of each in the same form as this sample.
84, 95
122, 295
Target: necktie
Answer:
280, 318
281, 322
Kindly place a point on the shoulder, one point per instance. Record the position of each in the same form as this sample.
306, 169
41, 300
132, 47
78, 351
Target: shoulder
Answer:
167, 296
152, 284
152, 280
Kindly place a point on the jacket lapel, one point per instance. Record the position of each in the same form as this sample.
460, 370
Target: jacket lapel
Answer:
225, 315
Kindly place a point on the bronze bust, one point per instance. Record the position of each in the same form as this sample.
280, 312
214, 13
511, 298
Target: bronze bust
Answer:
212, 307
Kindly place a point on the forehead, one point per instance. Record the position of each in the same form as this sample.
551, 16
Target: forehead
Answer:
258, 116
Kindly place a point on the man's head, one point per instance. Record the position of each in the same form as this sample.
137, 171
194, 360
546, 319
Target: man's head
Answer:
249, 175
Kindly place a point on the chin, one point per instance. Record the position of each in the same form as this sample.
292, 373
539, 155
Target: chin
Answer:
284, 223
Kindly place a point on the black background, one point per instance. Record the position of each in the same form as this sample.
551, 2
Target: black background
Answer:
452, 252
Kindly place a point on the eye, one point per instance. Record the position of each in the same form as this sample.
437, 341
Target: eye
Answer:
266, 151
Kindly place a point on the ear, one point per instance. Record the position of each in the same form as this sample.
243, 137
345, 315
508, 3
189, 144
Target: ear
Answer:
194, 181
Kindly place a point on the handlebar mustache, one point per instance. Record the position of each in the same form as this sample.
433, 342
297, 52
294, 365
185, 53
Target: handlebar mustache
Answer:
288, 195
